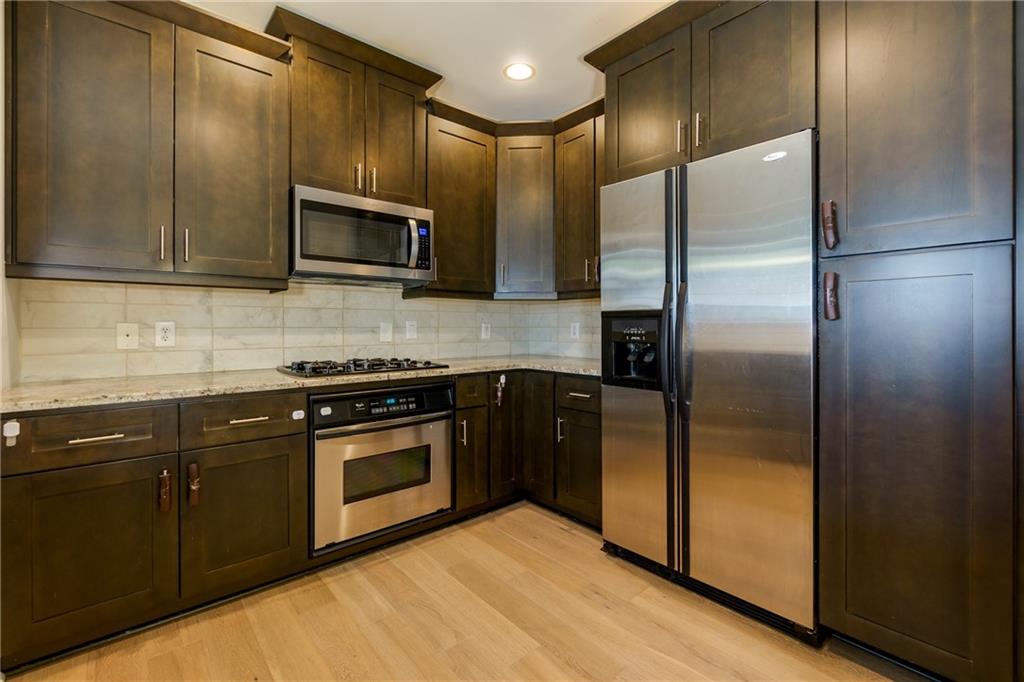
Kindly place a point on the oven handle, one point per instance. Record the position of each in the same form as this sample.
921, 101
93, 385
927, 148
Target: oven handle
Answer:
352, 429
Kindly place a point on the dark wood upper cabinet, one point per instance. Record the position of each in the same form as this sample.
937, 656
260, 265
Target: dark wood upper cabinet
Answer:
86, 551
916, 458
753, 74
231, 160
505, 431
472, 457
243, 514
575, 205
396, 139
328, 128
95, 136
525, 216
538, 435
647, 108
916, 123
578, 464
461, 192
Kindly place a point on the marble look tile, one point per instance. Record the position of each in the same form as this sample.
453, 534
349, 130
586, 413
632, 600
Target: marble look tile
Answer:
247, 359
67, 341
299, 337
247, 297
313, 295
68, 292
247, 316
185, 338
193, 316
64, 367
52, 315
168, 295
169, 362
248, 337
369, 298
313, 317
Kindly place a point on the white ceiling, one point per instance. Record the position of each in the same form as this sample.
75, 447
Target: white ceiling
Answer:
470, 42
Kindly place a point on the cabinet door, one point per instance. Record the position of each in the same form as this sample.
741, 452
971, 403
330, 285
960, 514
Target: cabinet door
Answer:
87, 551
538, 435
328, 127
916, 458
647, 107
574, 208
753, 74
506, 432
916, 123
94, 148
578, 464
525, 221
243, 514
472, 470
396, 139
460, 191
231, 160
600, 179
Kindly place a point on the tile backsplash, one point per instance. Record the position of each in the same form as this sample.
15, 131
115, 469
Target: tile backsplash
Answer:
66, 330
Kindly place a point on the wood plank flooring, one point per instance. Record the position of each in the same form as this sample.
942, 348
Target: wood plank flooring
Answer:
518, 594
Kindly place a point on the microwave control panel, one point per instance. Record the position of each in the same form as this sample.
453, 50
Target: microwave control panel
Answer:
423, 259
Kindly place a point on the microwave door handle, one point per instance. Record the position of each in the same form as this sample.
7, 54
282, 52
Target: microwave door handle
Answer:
414, 243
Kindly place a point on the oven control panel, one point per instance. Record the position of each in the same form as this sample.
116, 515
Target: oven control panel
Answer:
388, 404
368, 406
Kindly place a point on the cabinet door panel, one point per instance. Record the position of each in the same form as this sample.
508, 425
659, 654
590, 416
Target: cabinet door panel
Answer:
231, 160
647, 107
753, 74
525, 220
538, 435
578, 464
916, 516
916, 123
94, 149
86, 551
396, 139
247, 521
461, 192
328, 127
472, 470
574, 208
506, 435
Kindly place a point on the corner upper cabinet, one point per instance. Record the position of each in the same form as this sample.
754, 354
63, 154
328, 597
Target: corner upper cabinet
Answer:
525, 227
231, 159
753, 74
575, 209
916, 123
647, 108
328, 128
95, 151
461, 192
396, 140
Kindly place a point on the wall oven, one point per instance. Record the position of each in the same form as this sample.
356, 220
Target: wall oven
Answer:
380, 459
343, 236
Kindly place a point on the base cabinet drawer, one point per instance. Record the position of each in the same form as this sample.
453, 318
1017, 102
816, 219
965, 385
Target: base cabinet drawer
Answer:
208, 423
578, 393
243, 515
86, 552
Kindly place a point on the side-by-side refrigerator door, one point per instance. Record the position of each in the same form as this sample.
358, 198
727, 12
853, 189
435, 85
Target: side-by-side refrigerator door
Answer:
748, 354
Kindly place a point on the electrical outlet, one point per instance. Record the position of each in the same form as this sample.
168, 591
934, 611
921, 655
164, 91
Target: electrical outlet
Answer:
485, 331
164, 334
127, 336
411, 331
574, 330
386, 332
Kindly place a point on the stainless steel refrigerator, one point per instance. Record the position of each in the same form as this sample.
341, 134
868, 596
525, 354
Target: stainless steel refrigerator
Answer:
708, 372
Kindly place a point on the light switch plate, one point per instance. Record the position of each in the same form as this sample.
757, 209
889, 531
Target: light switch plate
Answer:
411, 330
127, 336
485, 330
574, 330
386, 332
164, 332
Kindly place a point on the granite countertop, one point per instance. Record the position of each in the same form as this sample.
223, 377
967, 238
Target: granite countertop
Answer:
53, 395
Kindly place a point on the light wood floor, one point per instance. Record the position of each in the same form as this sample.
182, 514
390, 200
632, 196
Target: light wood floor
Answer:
520, 593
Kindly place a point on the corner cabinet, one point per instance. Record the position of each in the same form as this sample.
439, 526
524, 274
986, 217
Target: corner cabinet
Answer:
461, 192
525, 216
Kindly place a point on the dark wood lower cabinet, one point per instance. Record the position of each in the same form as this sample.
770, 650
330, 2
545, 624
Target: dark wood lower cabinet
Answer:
243, 514
578, 464
506, 416
916, 458
538, 436
472, 457
87, 551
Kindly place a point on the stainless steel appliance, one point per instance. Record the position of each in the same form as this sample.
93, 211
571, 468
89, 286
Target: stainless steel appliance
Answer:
321, 368
380, 459
736, 326
343, 236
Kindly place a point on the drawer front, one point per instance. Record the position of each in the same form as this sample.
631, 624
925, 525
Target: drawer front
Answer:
579, 393
65, 440
471, 391
236, 420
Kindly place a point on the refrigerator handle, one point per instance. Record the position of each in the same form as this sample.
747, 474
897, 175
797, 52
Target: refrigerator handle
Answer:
681, 394
664, 349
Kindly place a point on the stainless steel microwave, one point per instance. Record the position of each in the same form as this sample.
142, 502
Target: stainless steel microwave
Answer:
343, 236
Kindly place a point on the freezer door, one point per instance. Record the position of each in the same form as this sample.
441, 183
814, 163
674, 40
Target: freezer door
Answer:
636, 216
749, 374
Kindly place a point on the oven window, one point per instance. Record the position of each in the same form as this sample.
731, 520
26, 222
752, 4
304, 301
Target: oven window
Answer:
386, 473
353, 235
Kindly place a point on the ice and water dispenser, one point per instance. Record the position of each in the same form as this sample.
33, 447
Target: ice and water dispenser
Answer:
629, 356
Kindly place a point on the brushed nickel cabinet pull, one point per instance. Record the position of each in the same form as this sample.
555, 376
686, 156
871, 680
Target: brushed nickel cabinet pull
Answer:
96, 439
164, 494
465, 433
161, 242
503, 280
679, 135
558, 429
373, 181
696, 130
435, 269
193, 484
581, 396
248, 420
359, 176
186, 244
597, 269
586, 269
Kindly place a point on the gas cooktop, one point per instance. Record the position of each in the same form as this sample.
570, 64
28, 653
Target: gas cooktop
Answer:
319, 368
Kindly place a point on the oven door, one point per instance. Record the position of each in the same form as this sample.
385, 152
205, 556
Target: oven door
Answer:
369, 477
356, 237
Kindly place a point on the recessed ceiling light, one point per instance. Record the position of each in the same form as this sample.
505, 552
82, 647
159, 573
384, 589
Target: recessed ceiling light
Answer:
519, 71
774, 156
